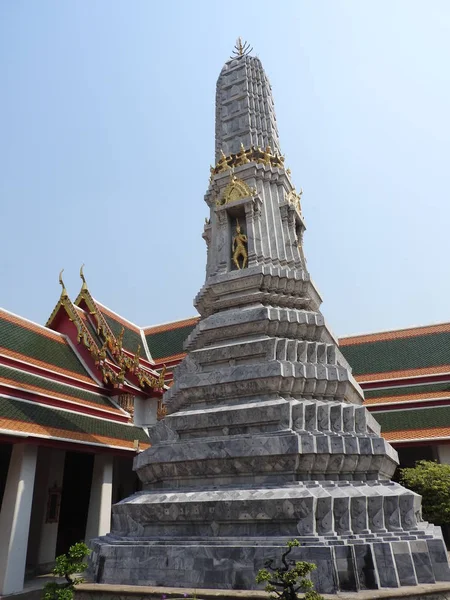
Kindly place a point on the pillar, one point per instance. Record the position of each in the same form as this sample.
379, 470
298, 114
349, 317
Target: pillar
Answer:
444, 454
49, 530
99, 515
15, 517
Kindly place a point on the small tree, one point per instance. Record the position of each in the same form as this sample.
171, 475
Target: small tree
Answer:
432, 481
67, 565
291, 577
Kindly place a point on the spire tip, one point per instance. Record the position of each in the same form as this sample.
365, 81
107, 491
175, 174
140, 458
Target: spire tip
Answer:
241, 48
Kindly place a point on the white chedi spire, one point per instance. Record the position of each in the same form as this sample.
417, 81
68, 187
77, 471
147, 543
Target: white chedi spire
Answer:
245, 112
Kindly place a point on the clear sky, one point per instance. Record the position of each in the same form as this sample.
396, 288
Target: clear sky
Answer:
107, 134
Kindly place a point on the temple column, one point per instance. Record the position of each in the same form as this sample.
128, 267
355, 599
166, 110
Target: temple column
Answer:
49, 530
15, 517
444, 454
99, 515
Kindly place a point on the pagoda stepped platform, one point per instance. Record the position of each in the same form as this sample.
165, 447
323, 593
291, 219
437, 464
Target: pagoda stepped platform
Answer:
361, 535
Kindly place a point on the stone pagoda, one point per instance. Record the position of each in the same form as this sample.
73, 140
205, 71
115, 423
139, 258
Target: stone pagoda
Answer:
265, 438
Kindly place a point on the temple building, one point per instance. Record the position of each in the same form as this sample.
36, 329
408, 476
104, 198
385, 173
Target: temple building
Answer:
79, 394
76, 398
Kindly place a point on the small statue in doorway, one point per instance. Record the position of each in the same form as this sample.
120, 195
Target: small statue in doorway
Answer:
239, 247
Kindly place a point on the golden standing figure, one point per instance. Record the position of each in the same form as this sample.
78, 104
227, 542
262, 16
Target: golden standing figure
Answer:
238, 247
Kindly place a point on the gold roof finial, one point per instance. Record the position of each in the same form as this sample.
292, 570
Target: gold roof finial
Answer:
64, 291
240, 49
83, 279
240, 46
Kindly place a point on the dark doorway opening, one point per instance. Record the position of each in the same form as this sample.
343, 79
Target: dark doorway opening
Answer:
407, 457
76, 491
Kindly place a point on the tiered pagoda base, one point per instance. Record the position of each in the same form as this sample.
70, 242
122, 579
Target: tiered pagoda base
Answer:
227, 554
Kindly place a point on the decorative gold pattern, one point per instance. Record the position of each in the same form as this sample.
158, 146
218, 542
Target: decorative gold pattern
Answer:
239, 247
126, 401
113, 373
161, 410
294, 198
266, 157
235, 190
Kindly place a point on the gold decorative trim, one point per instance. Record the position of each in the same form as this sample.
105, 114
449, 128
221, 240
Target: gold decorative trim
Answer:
126, 401
161, 410
125, 364
235, 190
266, 157
294, 198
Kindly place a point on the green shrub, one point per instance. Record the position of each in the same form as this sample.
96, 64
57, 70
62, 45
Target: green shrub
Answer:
290, 577
432, 481
66, 566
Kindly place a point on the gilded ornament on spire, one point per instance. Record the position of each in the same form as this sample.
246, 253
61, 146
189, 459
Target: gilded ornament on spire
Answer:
294, 198
235, 190
257, 155
241, 49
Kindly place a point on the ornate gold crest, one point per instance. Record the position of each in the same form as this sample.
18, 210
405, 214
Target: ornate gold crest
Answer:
235, 190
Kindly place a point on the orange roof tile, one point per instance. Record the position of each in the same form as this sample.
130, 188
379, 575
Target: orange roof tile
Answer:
387, 375
28, 359
406, 398
395, 334
39, 430
416, 434
53, 335
170, 326
52, 394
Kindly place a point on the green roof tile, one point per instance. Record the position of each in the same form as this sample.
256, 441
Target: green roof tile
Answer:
168, 343
422, 418
399, 354
20, 339
49, 417
54, 386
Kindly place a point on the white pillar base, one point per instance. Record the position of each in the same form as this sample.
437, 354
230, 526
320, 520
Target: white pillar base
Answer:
15, 518
99, 515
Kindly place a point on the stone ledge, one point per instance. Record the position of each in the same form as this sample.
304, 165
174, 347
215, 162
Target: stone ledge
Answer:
103, 591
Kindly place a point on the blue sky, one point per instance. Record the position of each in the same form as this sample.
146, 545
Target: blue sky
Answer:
107, 134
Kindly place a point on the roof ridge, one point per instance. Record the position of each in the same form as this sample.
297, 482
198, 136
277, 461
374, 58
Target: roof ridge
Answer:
381, 331
127, 321
392, 334
60, 408
49, 367
43, 328
180, 323
69, 385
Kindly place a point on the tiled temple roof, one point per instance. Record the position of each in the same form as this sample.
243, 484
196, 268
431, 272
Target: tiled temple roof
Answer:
46, 391
42, 421
167, 340
408, 393
415, 424
395, 354
29, 342
24, 380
